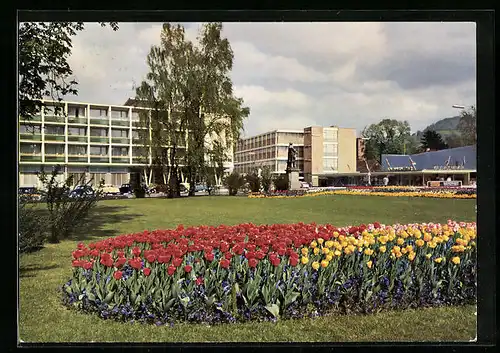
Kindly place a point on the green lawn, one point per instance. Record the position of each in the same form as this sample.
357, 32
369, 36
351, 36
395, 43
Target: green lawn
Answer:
44, 319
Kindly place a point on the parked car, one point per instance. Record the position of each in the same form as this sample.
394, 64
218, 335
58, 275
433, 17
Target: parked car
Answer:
304, 185
125, 189
81, 191
110, 190
200, 188
31, 193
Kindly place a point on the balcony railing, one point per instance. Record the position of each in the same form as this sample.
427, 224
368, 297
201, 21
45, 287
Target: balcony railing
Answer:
36, 118
77, 138
30, 136
54, 158
120, 123
75, 120
100, 139
99, 159
140, 160
54, 119
123, 140
54, 137
99, 121
30, 157
120, 159
77, 159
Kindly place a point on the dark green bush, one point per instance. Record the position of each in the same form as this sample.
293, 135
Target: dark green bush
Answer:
31, 226
281, 183
234, 182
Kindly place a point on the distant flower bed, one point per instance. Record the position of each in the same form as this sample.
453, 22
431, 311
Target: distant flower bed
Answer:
266, 272
450, 193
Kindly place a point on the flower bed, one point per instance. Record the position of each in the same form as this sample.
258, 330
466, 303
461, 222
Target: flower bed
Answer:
432, 193
244, 272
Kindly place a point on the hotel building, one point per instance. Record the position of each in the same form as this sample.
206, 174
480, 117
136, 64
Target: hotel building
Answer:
98, 140
323, 153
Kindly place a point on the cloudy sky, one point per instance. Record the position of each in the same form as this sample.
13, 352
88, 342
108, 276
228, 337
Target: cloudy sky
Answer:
294, 75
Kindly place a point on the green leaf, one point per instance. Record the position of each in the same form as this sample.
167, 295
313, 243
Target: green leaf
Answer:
169, 304
109, 297
273, 309
184, 301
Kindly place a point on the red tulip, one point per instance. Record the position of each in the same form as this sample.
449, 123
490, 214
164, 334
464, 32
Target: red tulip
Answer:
199, 281
177, 262
171, 270
252, 263
117, 275
147, 271
224, 263
187, 268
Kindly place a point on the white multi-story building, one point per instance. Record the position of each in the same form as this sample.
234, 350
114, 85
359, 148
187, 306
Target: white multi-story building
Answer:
98, 140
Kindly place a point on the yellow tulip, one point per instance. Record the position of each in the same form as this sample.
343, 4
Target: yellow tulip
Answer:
304, 260
315, 265
314, 244
337, 253
335, 234
427, 237
369, 264
316, 251
382, 249
326, 251
438, 260
320, 241
411, 256
428, 256
329, 257
368, 252
400, 241
329, 243
324, 263
419, 242
432, 245
455, 260
398, 255
396, 249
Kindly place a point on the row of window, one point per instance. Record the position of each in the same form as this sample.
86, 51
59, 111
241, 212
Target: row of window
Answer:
268, 153
256, 142
330, 164
78, 150
78, 131
330, 135
95, 112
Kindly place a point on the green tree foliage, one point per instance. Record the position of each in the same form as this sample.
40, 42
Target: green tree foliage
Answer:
389, 136
66, 212
433, 141
467, 126
191, 89
31, 226
266, 178
234, 182
44, 49
281, 182
253, 181
454, 140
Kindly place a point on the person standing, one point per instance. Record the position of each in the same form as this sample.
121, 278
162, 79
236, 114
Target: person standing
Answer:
385, 180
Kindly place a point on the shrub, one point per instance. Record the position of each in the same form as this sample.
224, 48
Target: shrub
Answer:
244, 272
234, 182
31, 227
67, 209
281, 183
253, 181
267, 179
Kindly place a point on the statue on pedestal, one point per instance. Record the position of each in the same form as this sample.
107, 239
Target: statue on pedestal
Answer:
292, 157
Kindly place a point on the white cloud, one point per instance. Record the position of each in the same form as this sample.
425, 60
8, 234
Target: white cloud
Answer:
293, 75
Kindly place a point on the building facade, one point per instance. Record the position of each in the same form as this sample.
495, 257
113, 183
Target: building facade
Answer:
96, 140
422, 169
322, 152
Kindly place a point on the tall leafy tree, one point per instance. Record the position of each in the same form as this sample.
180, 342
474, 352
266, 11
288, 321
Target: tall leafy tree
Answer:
467, 126
215, 113
389, 136
44, 49
165, 92
432, 140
